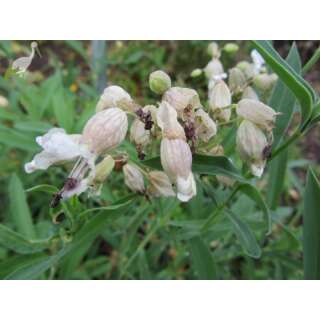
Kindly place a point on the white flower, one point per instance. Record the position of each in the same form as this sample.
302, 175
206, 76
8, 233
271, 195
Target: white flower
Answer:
160, 184
3, 102
251, 144
247, 68
219, 99
237, 80
205, 127
105, 130
112, 97
214, 70
182, 100
159, 82
249, 93
264, 81
57, 146
258, 113
138, 134
133, 178
168, 122
176, 160
258, 60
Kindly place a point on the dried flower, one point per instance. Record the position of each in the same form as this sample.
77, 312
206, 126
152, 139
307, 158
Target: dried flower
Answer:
114, 97
176, 160
160, 185
258, 113
219, 99
251, 144
133, 178
159, 82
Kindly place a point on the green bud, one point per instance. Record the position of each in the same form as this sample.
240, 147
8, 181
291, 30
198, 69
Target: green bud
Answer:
159, 82
213, 50
196, 73
231, 48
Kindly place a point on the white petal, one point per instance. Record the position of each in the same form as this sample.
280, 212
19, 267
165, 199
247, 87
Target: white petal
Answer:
186, 188
80, 188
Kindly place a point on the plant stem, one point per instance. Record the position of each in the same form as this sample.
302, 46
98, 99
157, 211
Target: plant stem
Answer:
219, 209
293, 138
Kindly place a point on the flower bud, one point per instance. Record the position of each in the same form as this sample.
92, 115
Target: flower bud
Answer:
237, 80
214, 69
159, 82
247, 69
251, 143
103, 170
219, 99
213, 50
264, 81
249, 93
196, 73
258, 113
160, 185
114, 97
138, 134
231, 48
133, 178
176, 160
105, 130
3, 102
205, 127
182, 99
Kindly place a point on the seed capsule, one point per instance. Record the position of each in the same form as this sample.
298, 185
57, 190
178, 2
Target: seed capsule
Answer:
160, 185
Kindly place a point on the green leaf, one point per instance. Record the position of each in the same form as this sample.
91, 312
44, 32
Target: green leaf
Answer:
244, 235
89, 231
299, 87
20, 244
47, 188
20, 212
202, 259
208, 165
282, 100
253, 193
311, 228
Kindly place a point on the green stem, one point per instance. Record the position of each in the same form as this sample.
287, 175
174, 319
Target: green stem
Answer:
293, 138
219, 209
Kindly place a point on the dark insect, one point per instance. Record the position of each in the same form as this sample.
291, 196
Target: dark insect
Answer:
266, 152
55, 200
146, 118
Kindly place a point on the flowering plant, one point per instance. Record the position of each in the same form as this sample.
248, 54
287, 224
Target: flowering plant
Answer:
207, 153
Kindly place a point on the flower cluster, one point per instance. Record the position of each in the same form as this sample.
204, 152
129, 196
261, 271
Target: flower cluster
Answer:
178, 121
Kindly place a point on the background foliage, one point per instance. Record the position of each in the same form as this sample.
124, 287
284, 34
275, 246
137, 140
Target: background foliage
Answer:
124, 236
